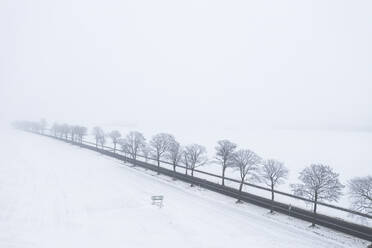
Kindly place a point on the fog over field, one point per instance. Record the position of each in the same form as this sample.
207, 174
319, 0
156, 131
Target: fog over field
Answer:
189, 65
290, 80
265, 74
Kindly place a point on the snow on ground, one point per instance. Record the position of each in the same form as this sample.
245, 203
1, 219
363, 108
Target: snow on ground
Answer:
348, 152
53, 194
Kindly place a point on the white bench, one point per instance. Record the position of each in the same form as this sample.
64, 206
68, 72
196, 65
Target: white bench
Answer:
157, 200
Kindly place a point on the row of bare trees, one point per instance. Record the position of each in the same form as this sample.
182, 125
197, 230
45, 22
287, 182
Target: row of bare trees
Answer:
75, 133
164, 146
251, 167
33, 126
318, 182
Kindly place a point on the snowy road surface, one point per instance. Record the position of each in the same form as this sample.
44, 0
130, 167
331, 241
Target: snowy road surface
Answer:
56, 195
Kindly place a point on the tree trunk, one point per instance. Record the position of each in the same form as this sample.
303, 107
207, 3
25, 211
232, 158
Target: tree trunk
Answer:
134, 159
114, 147
192, 175
223, 175
272, 198
315, 205
174, 171
240, 191
158, 165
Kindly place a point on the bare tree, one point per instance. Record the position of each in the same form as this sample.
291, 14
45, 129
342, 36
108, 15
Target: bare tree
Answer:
174, 154
196, 156
133, 143
246, 161
81, 132
185, 160
102, 141
54, 129
35, 127
319, 182
159, 145
146, 151
114, 135
42, 125
224, 155
98, 134
60, 130
123, 143
73, 131
273, 173
65, 128
360, 192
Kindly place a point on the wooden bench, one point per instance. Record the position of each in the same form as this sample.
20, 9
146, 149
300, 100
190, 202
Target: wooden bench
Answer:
157, 200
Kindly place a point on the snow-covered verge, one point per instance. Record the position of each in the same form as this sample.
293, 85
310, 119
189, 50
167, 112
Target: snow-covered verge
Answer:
53, 194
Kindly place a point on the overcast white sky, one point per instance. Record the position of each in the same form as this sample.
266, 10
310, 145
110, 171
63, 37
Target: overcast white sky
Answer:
305, 64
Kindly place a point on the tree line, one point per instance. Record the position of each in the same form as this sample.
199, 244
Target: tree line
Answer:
318, 182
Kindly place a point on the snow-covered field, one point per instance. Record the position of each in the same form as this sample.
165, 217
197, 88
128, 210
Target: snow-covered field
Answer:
348, 152
57, 195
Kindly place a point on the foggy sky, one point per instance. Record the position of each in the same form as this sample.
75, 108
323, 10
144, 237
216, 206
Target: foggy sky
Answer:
281, 64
